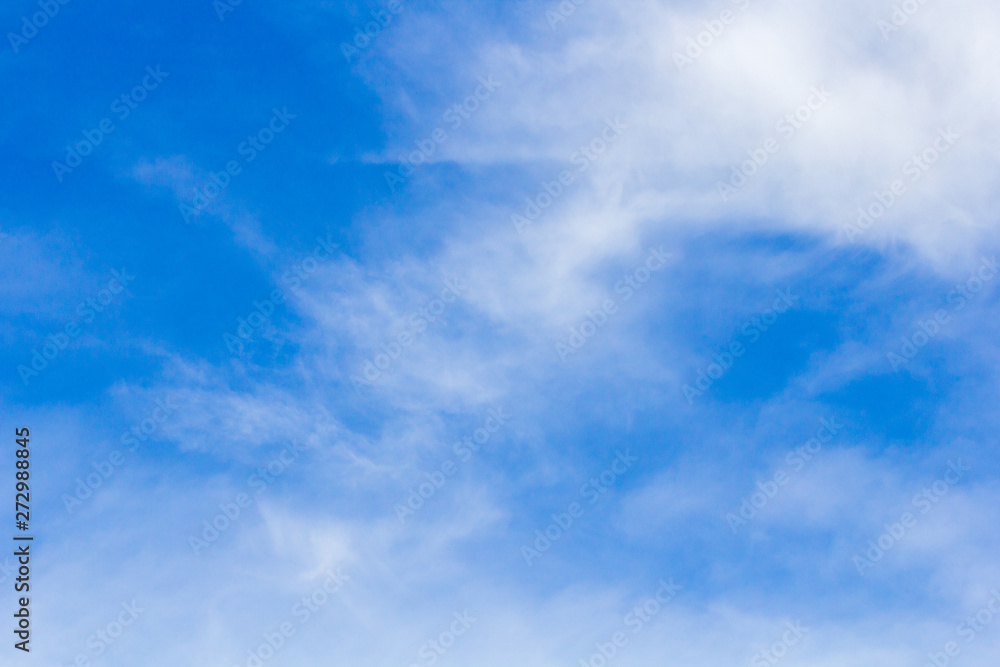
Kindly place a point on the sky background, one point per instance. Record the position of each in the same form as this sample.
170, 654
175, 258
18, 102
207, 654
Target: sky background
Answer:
423, 295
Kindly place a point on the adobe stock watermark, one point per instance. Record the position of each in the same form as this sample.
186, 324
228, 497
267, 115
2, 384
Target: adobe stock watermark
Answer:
37, 21
7, 569
549, 191
924, 501
419, 321
562, 11
223, 7
596, 318
901, 15
249, 149
372, 29
291, 279
640, 616
433, 649
103, 638
779, 649
591, 490
122, 107
918, 165
87, 311
464, 450
300, 613
969, 630
455, 116
103, 470
928, 329
231, 512
704, 40
796, 459
787, 126
753, 331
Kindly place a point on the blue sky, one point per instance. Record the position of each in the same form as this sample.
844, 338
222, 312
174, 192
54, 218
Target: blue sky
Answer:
522, 312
